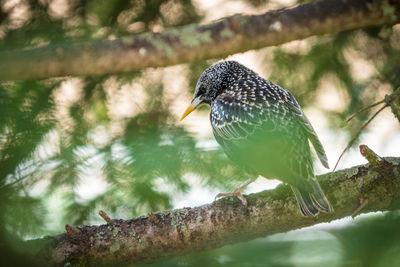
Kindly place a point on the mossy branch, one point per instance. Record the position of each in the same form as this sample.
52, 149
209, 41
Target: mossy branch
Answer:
196, 42
170, 233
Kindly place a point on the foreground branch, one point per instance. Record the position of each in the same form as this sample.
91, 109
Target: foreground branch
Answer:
197, 42
364, 188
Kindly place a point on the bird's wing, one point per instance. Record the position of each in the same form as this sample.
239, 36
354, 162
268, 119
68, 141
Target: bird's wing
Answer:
233, 120
311, 134
236, 116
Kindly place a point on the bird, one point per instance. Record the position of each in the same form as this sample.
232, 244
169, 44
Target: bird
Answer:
261, 127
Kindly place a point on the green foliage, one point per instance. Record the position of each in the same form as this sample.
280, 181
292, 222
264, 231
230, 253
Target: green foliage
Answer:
52, 139
327, 58
373, 241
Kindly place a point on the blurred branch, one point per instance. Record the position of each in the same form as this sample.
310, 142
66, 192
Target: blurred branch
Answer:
389, 101
226, 221
355, 137
196, 42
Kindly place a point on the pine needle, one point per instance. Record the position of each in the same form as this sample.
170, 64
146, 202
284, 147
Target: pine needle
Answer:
364, 109
358, 134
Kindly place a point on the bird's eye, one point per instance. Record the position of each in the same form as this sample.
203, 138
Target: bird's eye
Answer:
201, 91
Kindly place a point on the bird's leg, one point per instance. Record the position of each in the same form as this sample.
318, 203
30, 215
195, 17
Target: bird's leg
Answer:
237, 192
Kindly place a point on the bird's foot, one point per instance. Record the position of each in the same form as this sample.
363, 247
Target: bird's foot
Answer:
237, 192
233, 194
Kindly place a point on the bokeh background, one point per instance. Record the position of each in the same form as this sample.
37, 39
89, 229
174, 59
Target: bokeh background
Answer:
71, 146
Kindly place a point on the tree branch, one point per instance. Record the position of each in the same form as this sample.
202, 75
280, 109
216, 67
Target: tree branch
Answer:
196, 42
226, 221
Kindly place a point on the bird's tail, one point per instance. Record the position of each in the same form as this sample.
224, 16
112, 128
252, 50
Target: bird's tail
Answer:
311, 199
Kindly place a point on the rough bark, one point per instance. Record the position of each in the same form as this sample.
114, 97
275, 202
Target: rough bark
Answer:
196, 42
365, 188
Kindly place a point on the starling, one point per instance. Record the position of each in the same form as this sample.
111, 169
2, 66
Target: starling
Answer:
262, 128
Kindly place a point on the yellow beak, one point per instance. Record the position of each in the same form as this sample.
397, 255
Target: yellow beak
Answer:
195, 102
187, 111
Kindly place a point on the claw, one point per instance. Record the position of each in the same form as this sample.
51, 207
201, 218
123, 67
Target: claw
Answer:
243, 199
237, 193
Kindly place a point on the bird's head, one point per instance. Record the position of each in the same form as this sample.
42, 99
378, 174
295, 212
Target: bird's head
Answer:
213, 81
